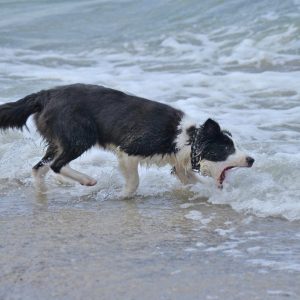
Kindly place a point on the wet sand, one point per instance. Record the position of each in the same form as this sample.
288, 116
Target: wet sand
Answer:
143, 248
241, 68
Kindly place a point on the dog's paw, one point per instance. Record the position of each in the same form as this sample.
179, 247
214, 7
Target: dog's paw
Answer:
126, 194
88, 182
62, 180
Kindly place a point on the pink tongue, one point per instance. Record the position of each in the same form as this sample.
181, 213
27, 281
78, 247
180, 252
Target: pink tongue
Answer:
223, 174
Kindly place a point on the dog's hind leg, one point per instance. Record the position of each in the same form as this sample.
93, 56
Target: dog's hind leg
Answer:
60, 166
83, 179
129, 168
75, 134
40, 170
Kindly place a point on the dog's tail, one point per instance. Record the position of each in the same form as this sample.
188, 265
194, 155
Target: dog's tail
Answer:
15, 114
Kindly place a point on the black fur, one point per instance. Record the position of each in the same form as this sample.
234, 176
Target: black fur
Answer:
15, 114
209, 142
74, 118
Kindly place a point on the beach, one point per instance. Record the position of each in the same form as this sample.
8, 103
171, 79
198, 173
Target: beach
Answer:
234, 61
149, 248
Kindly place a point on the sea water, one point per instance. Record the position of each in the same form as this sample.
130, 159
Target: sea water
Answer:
235, 61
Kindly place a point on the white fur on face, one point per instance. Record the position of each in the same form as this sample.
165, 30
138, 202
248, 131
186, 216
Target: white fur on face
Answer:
215, 169
207, 168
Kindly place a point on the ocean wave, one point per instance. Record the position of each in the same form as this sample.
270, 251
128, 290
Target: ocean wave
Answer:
240, 69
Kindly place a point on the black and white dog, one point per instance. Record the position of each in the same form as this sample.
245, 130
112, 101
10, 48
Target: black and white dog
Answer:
74, 118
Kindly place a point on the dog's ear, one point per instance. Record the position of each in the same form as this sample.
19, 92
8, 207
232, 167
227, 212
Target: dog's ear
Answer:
211, 128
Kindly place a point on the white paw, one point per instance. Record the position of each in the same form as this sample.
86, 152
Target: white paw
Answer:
88, 182
40, 187
127, 194
64, 180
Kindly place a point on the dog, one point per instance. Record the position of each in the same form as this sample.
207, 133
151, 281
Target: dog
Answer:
74, 118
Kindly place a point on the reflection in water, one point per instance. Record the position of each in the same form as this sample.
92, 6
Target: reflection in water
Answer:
99, 243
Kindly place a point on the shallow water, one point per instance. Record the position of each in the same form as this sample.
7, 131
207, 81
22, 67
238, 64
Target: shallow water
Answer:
240, 68
147, 247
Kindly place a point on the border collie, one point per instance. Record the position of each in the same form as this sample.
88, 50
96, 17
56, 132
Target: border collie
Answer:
74, 118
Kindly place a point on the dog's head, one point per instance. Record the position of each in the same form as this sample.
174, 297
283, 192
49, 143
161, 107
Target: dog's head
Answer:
213, 152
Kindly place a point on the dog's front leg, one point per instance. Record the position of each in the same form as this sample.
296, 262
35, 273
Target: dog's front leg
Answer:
185, 176
129, 168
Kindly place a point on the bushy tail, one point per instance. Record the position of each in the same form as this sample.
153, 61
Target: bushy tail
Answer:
15, 114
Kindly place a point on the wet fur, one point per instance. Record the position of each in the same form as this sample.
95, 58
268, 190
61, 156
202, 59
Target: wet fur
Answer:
74, 118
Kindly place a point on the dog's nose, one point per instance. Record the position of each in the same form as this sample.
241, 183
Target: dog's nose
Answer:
249, 161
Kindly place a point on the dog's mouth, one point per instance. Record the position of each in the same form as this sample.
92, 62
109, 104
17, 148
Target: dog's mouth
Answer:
223, 174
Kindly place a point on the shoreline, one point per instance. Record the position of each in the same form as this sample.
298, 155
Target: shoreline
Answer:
150, 248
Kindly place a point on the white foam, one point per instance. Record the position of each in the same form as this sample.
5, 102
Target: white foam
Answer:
253, 250
198, 216
280, 293
194, 215
224, 232
291, 266
248, 82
